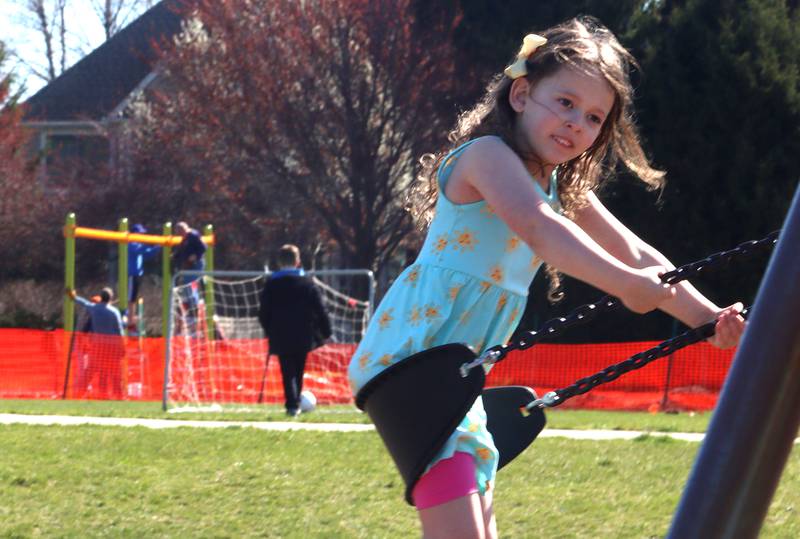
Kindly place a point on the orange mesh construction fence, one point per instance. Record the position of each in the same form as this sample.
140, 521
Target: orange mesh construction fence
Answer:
37, 364
689, 379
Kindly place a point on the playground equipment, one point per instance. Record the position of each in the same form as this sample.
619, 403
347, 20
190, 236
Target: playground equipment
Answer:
123, 237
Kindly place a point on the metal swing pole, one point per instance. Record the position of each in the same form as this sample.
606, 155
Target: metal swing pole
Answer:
756, 419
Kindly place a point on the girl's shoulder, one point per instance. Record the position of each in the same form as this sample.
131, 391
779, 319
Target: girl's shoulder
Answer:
484, 154
486, 143
490, 147
481, 149
462, 168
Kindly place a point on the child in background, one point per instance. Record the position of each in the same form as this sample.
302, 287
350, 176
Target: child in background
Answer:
189, 255
138, 254
516, 189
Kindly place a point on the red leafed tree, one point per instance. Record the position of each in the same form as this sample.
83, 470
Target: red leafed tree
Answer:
25, 208
13, 140
296, 121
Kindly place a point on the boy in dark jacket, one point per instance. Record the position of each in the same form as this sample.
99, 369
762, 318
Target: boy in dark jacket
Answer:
294, 320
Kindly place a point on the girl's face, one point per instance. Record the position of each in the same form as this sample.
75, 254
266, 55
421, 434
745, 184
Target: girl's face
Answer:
561, 117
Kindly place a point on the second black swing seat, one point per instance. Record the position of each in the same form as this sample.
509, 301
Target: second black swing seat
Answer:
417, 403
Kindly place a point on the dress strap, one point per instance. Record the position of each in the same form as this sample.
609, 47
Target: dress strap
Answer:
446, 167
551, 194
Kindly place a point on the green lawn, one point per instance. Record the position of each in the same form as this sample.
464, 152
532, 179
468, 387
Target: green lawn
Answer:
91, 481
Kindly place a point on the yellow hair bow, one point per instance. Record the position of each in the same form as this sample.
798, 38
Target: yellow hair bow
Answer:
530, 43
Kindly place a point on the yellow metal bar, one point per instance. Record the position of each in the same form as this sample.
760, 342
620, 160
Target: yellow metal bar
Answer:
110, 235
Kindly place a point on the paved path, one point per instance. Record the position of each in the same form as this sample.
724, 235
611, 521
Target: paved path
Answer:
7, 419
299, 425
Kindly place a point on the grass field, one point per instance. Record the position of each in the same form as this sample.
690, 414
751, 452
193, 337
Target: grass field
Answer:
90, 481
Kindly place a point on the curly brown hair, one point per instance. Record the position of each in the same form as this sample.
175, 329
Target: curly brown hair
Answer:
584, 44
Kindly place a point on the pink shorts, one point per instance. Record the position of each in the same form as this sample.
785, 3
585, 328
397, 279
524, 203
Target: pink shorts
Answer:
447, 480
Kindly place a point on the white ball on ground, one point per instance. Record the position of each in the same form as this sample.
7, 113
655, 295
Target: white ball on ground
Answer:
308, 401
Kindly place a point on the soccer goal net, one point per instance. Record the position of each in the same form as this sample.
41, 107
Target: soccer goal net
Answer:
216, 355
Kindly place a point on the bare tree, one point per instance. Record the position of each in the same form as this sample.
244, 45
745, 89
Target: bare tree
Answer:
64, 40
48, 20
116, 14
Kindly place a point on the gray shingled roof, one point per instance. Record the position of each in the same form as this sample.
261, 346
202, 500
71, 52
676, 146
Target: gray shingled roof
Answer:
99, 82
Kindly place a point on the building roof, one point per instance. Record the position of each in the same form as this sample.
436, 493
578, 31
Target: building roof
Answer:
93, 87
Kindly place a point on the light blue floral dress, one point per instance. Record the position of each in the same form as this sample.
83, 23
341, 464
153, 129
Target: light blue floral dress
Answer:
468, 285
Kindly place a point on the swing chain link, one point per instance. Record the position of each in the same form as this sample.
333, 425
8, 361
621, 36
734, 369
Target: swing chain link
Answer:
551, 328
743, 249
586, 313
636, 361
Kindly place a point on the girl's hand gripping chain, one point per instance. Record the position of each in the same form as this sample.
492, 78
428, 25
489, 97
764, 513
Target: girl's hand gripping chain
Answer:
729, 328
645, 291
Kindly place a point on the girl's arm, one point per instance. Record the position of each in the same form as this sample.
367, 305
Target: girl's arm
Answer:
689, 305
490, 170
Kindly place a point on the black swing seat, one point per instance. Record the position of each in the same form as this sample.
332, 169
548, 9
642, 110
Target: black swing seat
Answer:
513, 429
417, 403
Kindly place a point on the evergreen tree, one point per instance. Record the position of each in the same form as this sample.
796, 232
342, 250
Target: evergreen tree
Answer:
489, 33
720, 108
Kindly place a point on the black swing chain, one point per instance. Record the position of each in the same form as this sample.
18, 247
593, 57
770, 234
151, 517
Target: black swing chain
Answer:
588, 312
743, 249
636, 361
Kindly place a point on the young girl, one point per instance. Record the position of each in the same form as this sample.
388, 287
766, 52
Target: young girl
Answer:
518, 189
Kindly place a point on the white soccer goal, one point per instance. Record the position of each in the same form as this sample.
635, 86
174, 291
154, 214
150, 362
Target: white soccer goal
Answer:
216, 353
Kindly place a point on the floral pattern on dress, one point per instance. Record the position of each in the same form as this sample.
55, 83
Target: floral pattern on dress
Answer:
441, 243
512, 244
364, 360
453, 292
502, 302
432, 312
465, 240
385, 359
386, 318
412, 276
415, 316
496, 274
